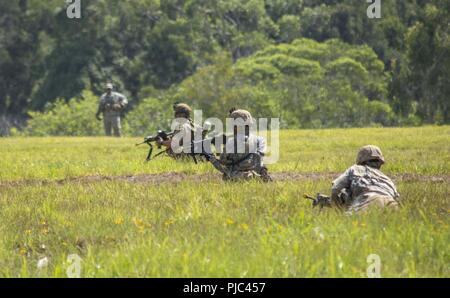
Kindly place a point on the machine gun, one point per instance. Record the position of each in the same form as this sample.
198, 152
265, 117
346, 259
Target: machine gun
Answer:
163, 136
320, 200
202, 148
160, 136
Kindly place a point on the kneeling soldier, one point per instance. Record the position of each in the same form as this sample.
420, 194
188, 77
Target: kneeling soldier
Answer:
185, 130
235, 165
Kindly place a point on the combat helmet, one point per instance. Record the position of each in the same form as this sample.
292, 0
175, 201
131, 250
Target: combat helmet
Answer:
368, 153
182, 108
242, 114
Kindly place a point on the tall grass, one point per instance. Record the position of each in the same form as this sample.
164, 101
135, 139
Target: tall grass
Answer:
209, 228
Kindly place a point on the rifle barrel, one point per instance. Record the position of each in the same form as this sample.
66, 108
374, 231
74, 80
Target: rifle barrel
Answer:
309, 197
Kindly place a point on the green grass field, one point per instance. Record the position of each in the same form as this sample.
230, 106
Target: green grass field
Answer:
96, 198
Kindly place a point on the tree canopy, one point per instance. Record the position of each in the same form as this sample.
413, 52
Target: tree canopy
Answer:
398, 65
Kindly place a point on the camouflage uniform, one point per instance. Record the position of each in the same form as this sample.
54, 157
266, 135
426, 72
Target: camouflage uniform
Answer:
111, 105
364, 185
236, 166
185, 127
245, 165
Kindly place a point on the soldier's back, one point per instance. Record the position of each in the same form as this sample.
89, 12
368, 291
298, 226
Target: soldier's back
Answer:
369, 185
365, 179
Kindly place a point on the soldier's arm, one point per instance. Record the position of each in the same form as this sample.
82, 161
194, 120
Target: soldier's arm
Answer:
179, 134
342, 182
123, 101
168, 143
396, 194
251, 162
217, 164
261, 146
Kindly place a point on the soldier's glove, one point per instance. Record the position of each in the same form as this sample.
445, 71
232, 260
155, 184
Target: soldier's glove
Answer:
98, 117
159, 141
116, 107
320, 200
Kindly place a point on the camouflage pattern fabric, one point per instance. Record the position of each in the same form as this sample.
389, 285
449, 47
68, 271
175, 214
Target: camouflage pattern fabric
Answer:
362, 186
182, 108
184, 129
369, 152
112, 123
242, 114
246, 165
112, 105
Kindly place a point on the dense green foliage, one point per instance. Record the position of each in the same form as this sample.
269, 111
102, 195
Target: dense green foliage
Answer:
73, 118
155, 45
305, 83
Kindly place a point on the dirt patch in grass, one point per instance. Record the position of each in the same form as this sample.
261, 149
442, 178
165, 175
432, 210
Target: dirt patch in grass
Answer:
172, 177
178, 177
406, 177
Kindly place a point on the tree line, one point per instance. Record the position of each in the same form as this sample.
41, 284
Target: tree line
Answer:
313, 64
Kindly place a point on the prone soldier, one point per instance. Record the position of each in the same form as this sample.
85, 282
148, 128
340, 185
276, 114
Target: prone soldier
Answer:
363, 185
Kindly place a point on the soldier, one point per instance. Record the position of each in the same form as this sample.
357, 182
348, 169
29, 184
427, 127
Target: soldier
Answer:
248, 164
111, 105
185, 129
364, 185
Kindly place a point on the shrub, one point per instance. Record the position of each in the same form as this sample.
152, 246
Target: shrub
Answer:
73, 118
148, 116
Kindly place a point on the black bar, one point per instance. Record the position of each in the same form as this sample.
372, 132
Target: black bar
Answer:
208, 287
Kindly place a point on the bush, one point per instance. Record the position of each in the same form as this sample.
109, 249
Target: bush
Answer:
73, 118
307, 84
381, 112
148, 116
290, 28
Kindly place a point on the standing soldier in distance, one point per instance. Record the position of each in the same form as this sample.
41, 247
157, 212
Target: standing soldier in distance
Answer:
111, 105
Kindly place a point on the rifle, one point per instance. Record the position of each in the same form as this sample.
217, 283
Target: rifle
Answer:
163, 136
194, 148
320, 200
206, 143
160, 136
